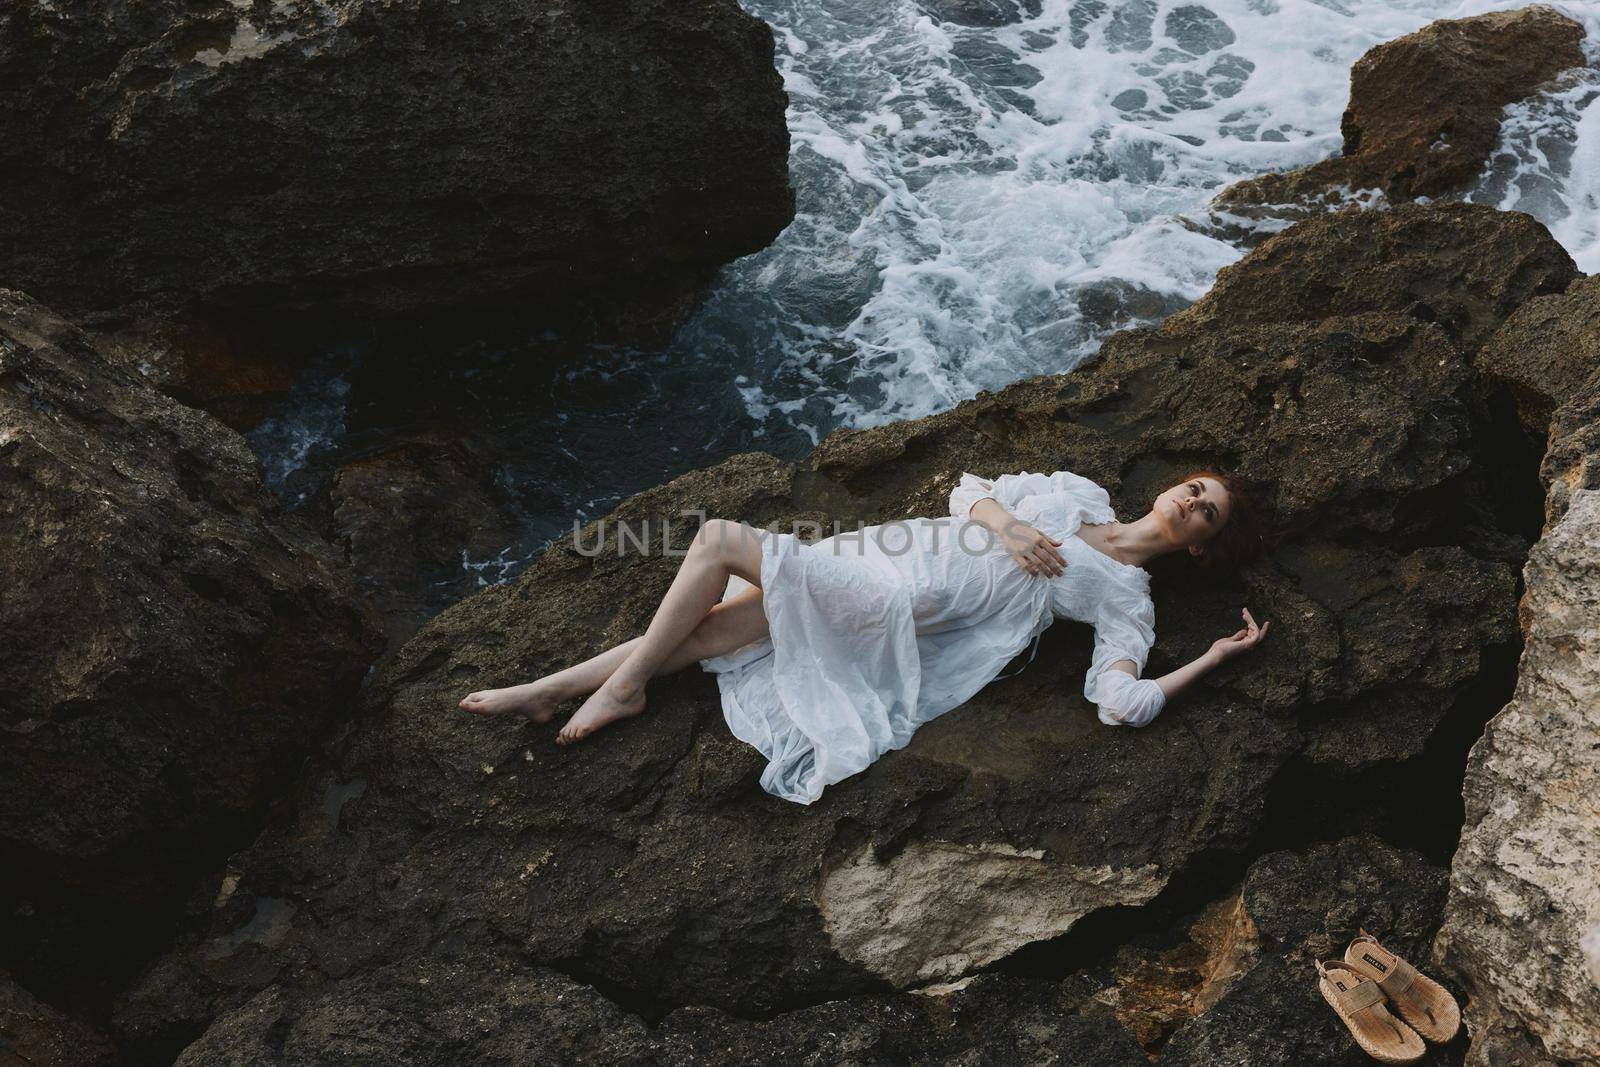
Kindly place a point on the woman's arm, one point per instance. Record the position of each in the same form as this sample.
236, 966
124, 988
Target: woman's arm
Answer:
1175, 682
1034, 550
1126, 698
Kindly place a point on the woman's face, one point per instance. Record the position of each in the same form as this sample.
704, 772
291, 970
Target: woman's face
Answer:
1192, 512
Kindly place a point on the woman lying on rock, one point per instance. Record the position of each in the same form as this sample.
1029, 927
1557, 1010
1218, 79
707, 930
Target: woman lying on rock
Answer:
831, 653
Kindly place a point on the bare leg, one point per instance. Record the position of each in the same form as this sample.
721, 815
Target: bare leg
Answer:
721, 547
729, 625
537, 700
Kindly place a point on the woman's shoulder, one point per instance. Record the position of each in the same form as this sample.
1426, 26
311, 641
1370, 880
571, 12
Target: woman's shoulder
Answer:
1072, 480
1089, 496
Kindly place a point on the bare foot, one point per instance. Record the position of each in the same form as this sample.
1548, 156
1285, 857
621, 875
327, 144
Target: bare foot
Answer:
601, 709
536, 701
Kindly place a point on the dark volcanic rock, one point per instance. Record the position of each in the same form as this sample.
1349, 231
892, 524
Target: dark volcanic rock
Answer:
411, 517
504, 1013
1424, 263
36, 1035
496, 1011
1424, 110
428, 1012
648, 862
1307, 906
174, 645
1546, 351
1274, 1017
386, 157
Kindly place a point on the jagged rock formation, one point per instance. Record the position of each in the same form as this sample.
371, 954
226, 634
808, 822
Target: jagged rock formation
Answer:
1524, 897
648, 862
1544, 356
1424, 111
385, 158
174, 646
407, 516
428, 1012
36, 1035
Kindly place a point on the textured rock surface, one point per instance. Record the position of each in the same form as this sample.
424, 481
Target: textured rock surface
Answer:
1546, 351
1161, 986
386, 156
1424, 109
174, 645
1573, 459
1423, 263
1521, 922
494, 1011
36, 1035
939, 910
1547, 356
1354, 407
1523, 888
410, 517
1307, 906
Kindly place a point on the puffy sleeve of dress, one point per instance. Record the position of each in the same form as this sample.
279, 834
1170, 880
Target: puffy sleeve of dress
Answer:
1009, 489
1124, 628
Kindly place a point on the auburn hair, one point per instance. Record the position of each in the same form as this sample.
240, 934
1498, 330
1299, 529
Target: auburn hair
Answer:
1244, 537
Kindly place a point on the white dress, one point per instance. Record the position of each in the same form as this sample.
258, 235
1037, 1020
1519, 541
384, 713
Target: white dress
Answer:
874, 632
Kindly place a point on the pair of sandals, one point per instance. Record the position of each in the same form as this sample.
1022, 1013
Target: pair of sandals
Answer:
1357, 987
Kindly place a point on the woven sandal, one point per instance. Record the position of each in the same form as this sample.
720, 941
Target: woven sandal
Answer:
1359, 1002
1422, 1002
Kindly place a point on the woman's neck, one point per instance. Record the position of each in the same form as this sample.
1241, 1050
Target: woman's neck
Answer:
1134, 543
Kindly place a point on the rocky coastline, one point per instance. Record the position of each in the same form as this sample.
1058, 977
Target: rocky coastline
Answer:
238, 797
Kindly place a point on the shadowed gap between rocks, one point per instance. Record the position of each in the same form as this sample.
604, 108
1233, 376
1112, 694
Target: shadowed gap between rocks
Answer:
92, 915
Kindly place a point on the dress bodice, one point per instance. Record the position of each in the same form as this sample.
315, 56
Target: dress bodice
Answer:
1090, 575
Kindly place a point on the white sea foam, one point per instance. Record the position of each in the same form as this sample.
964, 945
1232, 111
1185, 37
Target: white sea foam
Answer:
979, 205
1548, 159
975, 206
313, 420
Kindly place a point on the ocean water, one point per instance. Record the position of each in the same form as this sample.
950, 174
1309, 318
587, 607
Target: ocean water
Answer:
976, 205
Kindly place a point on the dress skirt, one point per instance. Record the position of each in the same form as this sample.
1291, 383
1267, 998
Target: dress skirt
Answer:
871, 634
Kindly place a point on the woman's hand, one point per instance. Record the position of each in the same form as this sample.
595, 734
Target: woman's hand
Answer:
1034, 550
1225, 648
